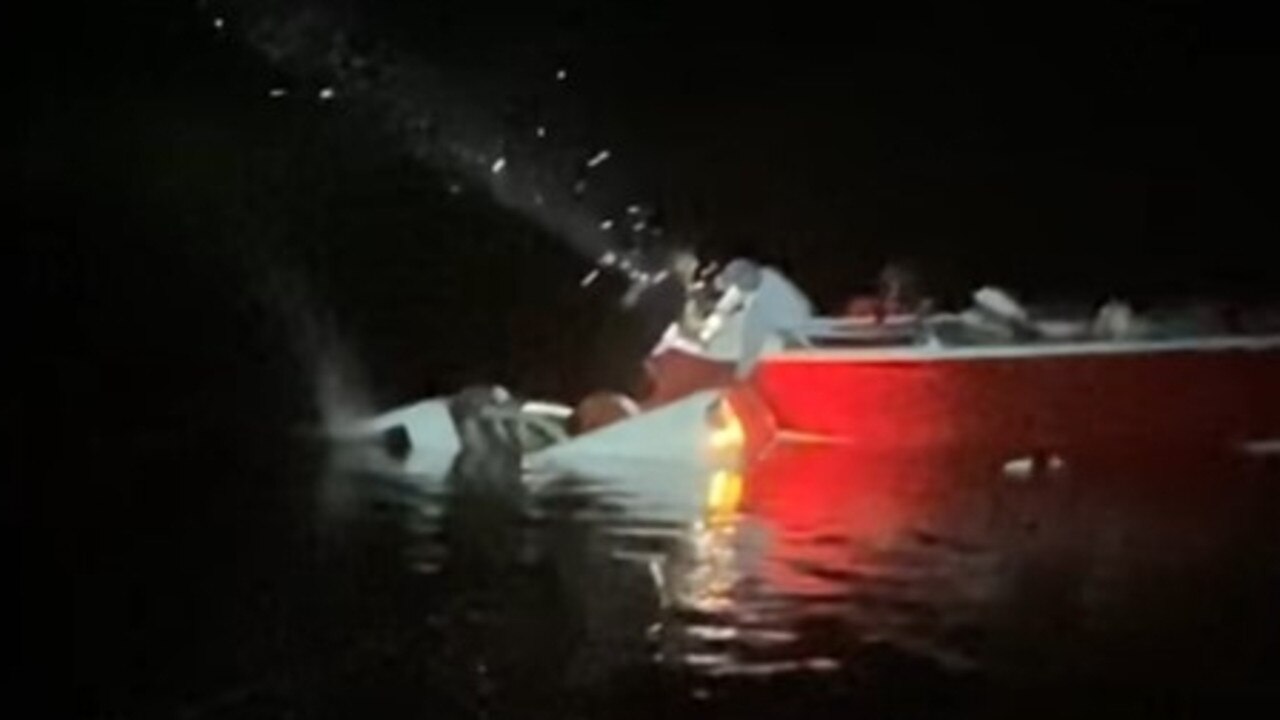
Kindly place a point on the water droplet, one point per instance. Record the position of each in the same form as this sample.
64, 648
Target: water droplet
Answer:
562, 75
219, 23
498, 165
277, 92
542, 131
455, 189
326, 93
598, 159
633, 209
606, 224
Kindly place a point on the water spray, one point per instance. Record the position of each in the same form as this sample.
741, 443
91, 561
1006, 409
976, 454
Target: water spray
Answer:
448, 125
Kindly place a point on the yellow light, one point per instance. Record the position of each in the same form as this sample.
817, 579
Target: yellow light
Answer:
724, 494
727, 432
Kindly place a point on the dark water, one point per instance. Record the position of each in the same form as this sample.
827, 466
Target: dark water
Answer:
259, 577
203, 274
919, 585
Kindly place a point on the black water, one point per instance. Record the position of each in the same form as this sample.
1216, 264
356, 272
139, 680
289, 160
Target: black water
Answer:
203, 273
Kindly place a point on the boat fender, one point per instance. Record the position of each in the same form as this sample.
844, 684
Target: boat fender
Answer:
600, 409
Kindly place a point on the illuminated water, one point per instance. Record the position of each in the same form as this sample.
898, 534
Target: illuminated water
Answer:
885, 585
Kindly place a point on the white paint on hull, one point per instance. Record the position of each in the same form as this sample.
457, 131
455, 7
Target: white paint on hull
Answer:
1029, 351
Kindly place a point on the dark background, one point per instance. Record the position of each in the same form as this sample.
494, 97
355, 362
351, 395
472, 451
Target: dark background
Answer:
1057, 149
186, 248
1064, 152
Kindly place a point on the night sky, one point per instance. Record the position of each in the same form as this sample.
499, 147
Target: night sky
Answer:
1062, 151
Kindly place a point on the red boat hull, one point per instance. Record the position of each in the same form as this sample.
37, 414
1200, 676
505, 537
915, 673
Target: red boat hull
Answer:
1021, 403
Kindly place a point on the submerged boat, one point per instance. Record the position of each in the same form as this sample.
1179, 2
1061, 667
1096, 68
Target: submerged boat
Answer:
1031, 388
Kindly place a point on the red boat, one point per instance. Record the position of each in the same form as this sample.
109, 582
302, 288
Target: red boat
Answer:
1007, 381
1042, 397
1026, 387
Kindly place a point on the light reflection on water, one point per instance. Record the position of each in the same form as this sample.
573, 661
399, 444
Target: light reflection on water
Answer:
1098, 574
1101, 574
